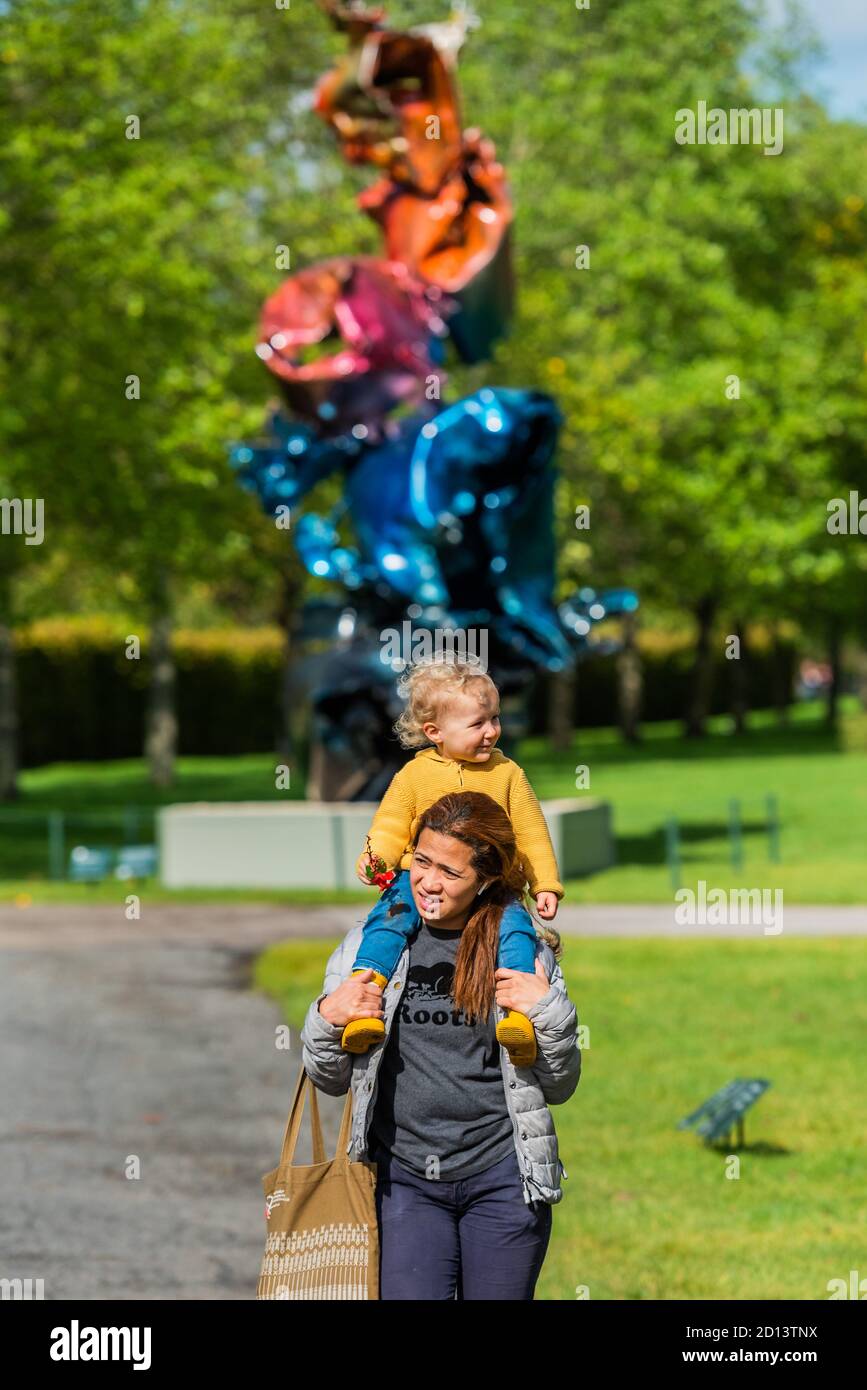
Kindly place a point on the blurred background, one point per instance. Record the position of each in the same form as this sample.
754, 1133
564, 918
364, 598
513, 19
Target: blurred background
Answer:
149, 643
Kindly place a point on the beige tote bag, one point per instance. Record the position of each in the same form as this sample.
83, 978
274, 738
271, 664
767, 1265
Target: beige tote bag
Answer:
323, 1236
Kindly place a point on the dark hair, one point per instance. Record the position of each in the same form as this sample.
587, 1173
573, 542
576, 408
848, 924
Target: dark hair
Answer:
480, 822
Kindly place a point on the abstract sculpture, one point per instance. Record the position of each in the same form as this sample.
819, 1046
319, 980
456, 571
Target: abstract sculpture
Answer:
450, 503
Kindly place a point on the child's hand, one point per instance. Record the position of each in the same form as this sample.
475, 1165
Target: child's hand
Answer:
379, 876
360, 871
546, 905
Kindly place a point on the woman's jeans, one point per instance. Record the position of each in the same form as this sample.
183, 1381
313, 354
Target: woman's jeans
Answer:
394, 917
472, 1239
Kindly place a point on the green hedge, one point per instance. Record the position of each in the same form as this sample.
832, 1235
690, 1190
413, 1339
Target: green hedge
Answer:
667, 663
80, 698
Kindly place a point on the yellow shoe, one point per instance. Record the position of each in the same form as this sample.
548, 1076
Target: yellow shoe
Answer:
518, 1037
361, 1033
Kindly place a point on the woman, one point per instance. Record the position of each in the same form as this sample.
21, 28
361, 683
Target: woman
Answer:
465, 1147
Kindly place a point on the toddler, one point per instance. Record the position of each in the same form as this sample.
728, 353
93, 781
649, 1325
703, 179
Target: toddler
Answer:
454, 709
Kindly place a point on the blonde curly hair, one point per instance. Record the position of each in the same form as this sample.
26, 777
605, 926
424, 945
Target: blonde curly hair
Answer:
427, 687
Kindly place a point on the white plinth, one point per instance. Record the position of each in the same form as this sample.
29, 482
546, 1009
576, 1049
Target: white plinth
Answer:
314, 844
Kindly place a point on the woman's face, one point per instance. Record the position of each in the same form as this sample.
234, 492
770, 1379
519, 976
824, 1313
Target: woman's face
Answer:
444, 885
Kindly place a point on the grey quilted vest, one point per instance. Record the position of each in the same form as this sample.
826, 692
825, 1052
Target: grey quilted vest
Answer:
551, 1080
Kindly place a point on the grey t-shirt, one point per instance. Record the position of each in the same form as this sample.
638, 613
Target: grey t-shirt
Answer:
440, 1084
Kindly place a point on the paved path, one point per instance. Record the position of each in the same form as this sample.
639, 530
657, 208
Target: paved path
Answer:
249, 926
143, 1038
121, 1039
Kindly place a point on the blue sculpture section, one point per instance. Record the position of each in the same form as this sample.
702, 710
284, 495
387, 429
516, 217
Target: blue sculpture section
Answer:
452, 515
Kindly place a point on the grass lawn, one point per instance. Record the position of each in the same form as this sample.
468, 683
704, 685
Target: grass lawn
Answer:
818, 778
648, 1211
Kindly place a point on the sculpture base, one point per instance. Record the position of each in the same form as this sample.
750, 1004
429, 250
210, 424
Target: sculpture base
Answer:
304, 844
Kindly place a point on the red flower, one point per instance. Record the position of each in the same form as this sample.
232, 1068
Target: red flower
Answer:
376, 869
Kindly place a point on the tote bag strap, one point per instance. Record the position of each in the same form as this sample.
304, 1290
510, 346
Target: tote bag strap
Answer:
293, 1124
342, 1157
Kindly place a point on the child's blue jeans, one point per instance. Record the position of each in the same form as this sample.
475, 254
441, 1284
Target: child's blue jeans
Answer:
392, 919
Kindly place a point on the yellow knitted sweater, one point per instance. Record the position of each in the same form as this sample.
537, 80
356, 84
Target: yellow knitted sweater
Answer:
429, 775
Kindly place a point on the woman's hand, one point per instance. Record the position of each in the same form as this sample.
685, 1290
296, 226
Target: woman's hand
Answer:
357, 997
518, 990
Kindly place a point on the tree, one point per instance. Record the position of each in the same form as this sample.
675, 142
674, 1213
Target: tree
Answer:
142, 212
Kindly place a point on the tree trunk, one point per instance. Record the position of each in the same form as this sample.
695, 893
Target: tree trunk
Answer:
858, 668
835, 662
561, 700
161, 737
740, 702
286, 740
702, 671
630, 682
8, 717
782, 684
